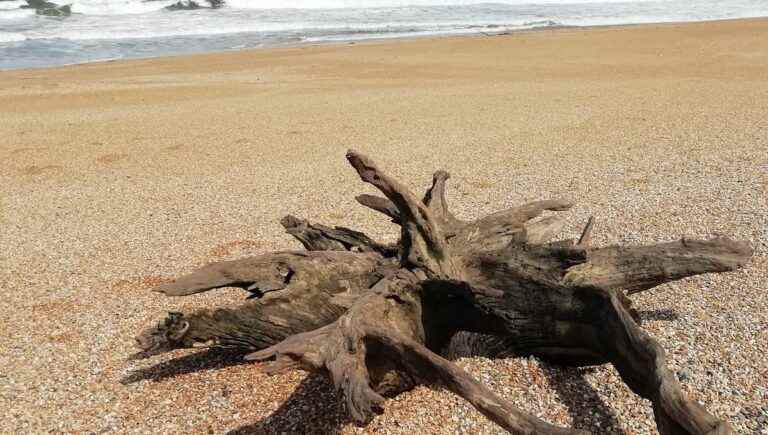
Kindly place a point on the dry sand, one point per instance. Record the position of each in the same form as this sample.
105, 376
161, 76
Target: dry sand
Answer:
119, 175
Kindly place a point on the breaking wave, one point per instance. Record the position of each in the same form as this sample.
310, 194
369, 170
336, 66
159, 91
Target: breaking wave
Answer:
98, 29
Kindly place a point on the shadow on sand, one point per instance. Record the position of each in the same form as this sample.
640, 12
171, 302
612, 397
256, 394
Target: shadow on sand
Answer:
586, 407
313, 408
196, 362
664, 315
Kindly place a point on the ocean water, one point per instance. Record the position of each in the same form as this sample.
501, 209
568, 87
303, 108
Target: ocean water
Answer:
116, 29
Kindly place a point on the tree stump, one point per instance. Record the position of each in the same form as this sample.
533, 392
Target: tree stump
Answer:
375, 317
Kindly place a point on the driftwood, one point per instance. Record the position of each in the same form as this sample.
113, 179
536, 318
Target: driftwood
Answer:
375, 317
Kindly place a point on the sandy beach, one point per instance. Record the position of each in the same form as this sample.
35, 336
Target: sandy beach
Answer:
118, 176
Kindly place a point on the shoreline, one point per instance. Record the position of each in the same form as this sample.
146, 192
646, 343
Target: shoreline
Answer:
384, 40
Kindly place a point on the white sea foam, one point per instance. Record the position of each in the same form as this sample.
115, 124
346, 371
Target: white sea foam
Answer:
360, 4
198, 24
132, 19
120, 7
131, 28
11, 37
117, 7
11, 4
15, 14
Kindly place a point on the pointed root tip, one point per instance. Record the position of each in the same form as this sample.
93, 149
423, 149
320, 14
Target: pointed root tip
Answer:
353, 155
721, 428
721, 245
171, 289
362, 164
290, 221
163, 288
260, 355
441, 175
553, 204
563, 205
740, 249
138, 356
586, 234
372, 404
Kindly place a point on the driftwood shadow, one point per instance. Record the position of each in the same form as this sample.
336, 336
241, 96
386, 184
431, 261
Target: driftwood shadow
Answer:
314, 407
662, 314
584, 404
196, 362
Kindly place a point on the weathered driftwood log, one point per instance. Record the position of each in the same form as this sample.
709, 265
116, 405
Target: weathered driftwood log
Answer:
375, 317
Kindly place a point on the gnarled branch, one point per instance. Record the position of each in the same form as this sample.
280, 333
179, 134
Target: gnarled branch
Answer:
435, 200
641, 362
638, 268
317, 237
382, 205
276, 271
497, 230
424, 244
543, 230
586, 234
